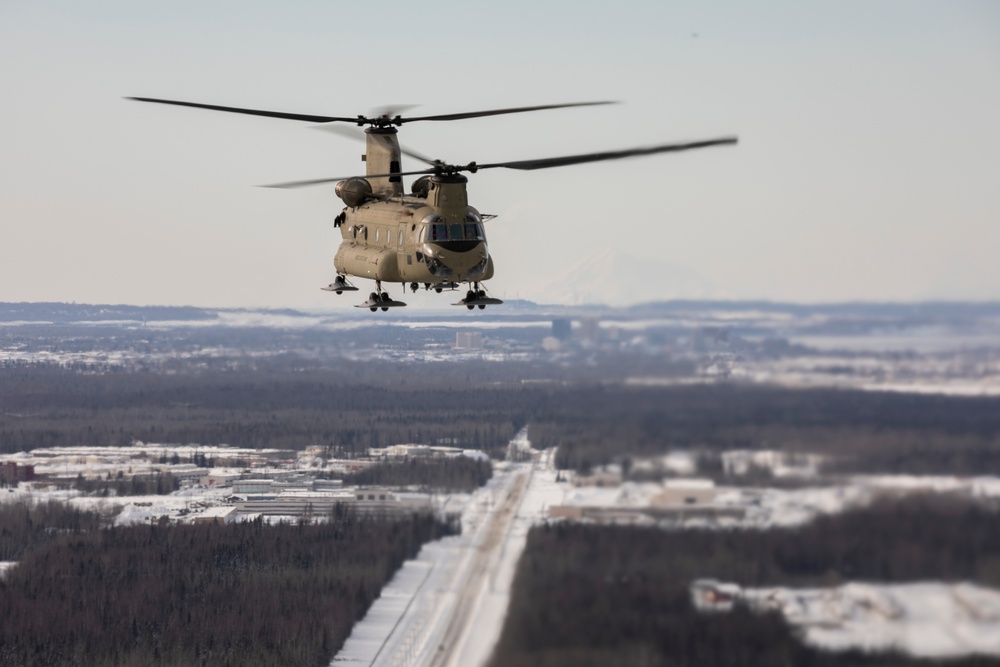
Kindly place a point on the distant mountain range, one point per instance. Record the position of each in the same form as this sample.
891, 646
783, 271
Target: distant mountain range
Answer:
613, 278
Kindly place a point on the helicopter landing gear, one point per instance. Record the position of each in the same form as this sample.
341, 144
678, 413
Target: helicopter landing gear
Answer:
380, 300
477, 297
340, 285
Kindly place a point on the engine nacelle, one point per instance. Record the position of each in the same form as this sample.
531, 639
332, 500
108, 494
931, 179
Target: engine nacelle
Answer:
354, 191
421, 186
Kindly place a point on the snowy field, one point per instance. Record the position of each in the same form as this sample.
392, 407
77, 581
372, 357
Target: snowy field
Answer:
925, 620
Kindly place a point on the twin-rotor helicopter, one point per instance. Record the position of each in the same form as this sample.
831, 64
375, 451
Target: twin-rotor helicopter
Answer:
431, 237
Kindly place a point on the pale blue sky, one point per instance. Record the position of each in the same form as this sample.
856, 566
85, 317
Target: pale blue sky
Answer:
868, 168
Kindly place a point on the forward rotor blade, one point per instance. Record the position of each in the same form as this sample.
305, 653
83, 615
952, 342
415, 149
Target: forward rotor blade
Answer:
321, 181
545, 163
360, 120
251, 112
497, 112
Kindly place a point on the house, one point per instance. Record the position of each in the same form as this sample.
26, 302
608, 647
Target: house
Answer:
12, 472
684, 493
709, 595
223, 515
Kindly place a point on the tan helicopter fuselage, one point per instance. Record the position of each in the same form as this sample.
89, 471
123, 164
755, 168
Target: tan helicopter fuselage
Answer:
430, 236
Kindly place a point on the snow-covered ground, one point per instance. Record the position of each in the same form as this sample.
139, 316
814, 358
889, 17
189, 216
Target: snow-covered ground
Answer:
447, 606
927, 619
762, 507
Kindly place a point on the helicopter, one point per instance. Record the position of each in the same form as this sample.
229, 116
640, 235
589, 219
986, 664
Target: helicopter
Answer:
430, 237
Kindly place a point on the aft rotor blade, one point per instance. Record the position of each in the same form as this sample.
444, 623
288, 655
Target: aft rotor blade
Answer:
545, 163
541, 163
321, 181
251, 112
497, 112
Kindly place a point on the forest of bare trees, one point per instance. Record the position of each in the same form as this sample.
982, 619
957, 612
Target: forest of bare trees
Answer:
858, 430
285, 409
364, 405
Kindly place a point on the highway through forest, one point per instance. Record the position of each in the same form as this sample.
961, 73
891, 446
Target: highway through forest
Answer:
445, 608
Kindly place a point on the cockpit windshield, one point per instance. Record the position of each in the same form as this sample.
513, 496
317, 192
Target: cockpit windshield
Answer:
435, 232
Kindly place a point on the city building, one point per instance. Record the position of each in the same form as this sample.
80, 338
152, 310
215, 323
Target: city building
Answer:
468, 340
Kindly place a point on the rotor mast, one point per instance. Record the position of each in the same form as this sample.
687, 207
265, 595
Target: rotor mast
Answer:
383, 157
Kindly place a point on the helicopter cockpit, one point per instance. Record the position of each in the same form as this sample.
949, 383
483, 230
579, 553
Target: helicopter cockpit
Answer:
437, 230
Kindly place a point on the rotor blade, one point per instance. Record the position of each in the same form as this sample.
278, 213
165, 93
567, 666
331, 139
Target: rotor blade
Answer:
391, 110
541, 163
497, 112
359, 135
321, 181
545, 163
251, 112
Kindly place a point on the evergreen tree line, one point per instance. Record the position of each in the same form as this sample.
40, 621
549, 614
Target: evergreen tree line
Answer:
158, 484
598, 595
457, 474
25, 526
243, 594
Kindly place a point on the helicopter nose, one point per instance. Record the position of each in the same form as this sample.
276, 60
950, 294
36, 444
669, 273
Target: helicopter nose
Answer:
458, 265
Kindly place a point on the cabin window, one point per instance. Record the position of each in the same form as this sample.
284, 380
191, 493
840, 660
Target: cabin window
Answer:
400, 238
377, 230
